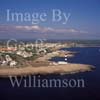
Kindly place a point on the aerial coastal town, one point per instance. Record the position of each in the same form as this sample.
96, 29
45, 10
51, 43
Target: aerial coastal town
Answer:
24, 55
12, 55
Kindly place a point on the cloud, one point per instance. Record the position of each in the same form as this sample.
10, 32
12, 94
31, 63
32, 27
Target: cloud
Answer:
48, 29
27, 28
38, 32
39, 29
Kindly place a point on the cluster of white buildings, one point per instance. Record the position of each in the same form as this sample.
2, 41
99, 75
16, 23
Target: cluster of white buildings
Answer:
8, 61
24, 54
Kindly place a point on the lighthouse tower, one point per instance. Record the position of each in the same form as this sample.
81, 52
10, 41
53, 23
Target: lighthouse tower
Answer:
66, 58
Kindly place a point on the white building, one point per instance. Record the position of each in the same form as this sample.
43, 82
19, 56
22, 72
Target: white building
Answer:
13, 63
62, 62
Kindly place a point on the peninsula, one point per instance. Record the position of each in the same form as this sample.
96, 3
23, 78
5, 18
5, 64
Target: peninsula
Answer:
15, 62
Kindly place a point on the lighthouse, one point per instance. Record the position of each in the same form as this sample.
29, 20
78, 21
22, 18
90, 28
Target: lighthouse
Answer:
66, 58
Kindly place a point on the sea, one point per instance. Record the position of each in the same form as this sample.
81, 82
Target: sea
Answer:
91, 91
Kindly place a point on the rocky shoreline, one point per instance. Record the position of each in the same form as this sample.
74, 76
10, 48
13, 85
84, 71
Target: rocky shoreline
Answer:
40, 67
59, 69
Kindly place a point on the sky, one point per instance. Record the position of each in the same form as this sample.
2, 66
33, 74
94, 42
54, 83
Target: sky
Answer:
83, 22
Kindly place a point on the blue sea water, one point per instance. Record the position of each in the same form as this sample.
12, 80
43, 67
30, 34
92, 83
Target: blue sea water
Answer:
86, 55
